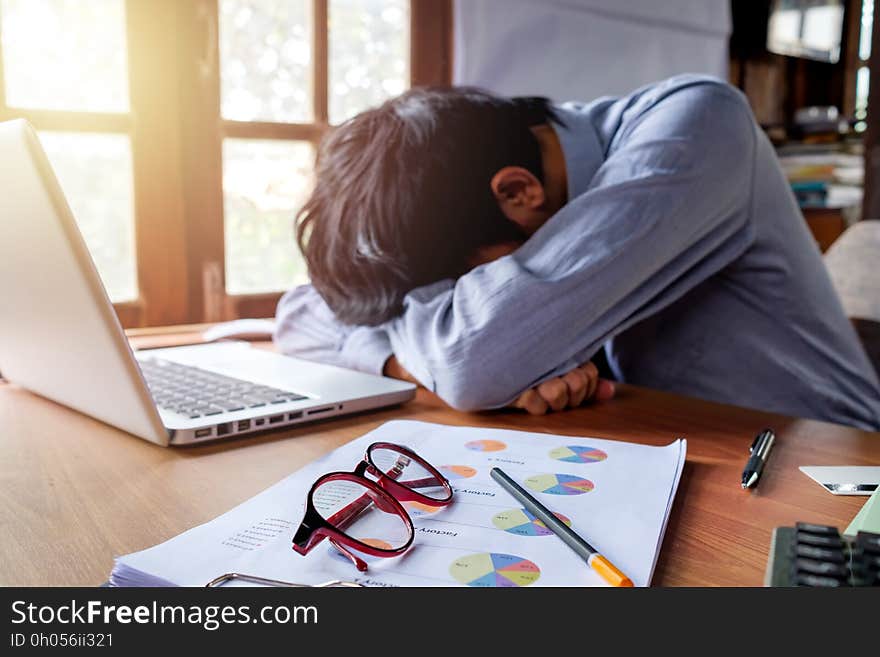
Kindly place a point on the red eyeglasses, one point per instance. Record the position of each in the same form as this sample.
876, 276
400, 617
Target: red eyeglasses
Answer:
357, 513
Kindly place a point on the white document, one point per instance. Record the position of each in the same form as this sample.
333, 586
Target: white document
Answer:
844, 479
617, 495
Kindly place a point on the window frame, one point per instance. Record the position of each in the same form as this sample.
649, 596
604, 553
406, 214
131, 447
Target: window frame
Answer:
176, 144
156, 254
850, 54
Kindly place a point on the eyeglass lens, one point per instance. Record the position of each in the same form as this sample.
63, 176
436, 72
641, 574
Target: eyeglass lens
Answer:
361, 513
408, 471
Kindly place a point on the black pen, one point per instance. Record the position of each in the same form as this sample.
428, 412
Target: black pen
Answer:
759, 451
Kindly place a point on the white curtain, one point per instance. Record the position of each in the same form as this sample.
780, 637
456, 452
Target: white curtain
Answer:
583, 49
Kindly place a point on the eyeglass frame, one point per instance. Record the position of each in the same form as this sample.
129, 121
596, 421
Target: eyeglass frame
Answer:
314, 528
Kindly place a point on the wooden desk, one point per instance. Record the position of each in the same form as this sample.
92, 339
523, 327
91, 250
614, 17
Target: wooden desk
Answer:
74, 493
826, 224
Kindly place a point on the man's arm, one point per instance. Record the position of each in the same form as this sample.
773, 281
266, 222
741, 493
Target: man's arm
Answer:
307, 328
570, 390
669, 208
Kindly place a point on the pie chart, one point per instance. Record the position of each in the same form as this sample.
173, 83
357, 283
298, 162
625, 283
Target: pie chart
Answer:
486, 445
453, 472
493, 569
578, 454
523, 523
559, 484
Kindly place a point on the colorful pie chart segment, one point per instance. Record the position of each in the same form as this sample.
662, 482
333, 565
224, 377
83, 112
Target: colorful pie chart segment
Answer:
578, 454
417, 509
486, 445
453, 472
559, 484
523, 523
492, 569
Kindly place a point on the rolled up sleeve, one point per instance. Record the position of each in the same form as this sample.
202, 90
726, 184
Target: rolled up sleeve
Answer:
308, 329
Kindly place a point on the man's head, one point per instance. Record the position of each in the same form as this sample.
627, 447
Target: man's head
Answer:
418, 190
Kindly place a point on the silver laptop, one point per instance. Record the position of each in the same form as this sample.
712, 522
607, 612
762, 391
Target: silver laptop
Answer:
60, 337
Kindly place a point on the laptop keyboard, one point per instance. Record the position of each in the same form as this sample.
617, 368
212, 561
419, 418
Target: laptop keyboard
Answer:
194, 392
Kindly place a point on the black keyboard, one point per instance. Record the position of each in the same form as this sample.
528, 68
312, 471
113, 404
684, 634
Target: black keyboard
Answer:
817, 555
194, 392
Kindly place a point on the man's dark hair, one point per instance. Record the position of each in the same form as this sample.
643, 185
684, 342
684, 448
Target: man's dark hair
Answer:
402, 196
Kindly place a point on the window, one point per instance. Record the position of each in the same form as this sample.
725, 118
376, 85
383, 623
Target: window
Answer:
806, 28
66, 61
184, 132
266, 76
863, 74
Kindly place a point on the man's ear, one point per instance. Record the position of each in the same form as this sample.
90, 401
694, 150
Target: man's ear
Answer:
520, 195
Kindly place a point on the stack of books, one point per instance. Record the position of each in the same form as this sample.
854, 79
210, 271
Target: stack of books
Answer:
824, 175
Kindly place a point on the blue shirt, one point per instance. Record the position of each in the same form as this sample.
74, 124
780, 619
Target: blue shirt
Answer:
681, 251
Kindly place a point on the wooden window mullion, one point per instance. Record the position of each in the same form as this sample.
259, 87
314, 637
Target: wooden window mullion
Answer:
201, 161
268, 130
160, 243
320, 61
430, 42
849, 54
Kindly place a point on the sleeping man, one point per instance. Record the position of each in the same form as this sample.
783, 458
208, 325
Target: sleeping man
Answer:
489, 247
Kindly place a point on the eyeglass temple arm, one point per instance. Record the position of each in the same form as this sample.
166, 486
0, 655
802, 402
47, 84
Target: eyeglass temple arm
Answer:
421, 483
306, 537
397, 469
350, 511
353, 509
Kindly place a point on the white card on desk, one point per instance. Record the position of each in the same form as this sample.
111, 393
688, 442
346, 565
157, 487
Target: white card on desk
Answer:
845, 479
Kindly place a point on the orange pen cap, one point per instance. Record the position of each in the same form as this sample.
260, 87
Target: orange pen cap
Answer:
609, 571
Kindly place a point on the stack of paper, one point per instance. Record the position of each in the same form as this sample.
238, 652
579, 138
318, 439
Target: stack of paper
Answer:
617, 495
